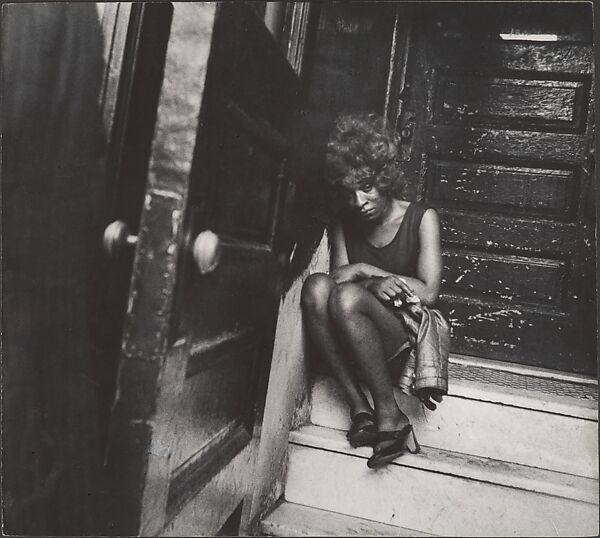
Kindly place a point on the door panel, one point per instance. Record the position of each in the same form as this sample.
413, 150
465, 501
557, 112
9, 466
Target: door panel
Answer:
209, 403
507, 232
524, 146
471, 270
542, 104
194, 343
229, 315
518, 190
499, 129
518, 56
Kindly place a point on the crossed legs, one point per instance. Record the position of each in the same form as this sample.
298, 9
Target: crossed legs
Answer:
347, 319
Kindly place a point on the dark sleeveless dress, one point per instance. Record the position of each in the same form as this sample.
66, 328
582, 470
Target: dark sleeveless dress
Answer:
400, 255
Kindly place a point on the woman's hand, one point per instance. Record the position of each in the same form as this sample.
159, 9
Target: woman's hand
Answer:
390, 288
386, 289
408, 294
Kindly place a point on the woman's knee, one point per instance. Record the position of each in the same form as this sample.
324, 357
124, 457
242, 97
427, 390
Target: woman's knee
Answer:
315, 292
346, 300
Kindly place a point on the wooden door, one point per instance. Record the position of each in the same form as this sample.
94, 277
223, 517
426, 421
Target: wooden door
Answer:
194, 345
69, 143
495, 113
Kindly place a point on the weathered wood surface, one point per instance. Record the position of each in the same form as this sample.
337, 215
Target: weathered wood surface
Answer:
499, 133
485, 21
203, 515
209, 404
501, 188
542, 103
218, 162
492, 57
238, 187
139, 450
496, 144
506, 232
509, 277
191, 478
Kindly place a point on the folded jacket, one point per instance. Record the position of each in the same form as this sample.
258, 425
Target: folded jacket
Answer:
426, 368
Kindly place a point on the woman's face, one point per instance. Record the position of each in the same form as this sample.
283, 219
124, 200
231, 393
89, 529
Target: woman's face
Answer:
366, 200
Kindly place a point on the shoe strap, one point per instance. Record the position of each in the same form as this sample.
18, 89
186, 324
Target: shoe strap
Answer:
364, 414
393, 435
417, 445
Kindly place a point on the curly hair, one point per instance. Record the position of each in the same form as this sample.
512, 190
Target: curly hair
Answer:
360, 147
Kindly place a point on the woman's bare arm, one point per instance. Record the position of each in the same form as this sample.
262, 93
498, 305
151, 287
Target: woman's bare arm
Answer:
429, 263
339, 255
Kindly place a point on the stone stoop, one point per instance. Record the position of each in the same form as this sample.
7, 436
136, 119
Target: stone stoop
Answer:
289, 519
512, 451
438, 491
516, 416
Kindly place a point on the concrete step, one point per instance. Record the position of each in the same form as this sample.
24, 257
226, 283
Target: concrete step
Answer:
522, 415
289, 519
438, 491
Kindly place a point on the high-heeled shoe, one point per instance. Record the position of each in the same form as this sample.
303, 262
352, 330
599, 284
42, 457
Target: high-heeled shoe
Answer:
394, 450
364, 435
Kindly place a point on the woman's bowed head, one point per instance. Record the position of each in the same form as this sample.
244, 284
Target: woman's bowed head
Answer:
385, 250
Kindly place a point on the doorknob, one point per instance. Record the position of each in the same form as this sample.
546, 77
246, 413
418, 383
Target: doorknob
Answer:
206, 248
117, 238
206, 251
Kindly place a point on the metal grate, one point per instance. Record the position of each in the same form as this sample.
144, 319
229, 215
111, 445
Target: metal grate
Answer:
527, 383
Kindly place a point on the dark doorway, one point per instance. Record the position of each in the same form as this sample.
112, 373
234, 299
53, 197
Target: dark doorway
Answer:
492, 104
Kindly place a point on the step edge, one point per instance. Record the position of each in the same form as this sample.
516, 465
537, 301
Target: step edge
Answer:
472, 390
305, 436
522, 369
330, 411
588, 470
468, 390
486, 507
266, 521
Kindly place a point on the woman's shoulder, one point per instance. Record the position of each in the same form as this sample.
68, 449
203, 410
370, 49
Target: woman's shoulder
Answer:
423, 216
421, 207
418, 209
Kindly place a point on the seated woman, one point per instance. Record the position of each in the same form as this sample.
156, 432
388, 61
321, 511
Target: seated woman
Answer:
383, 248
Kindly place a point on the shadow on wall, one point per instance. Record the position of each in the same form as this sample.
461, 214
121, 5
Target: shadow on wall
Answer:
53, 169
348, 74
